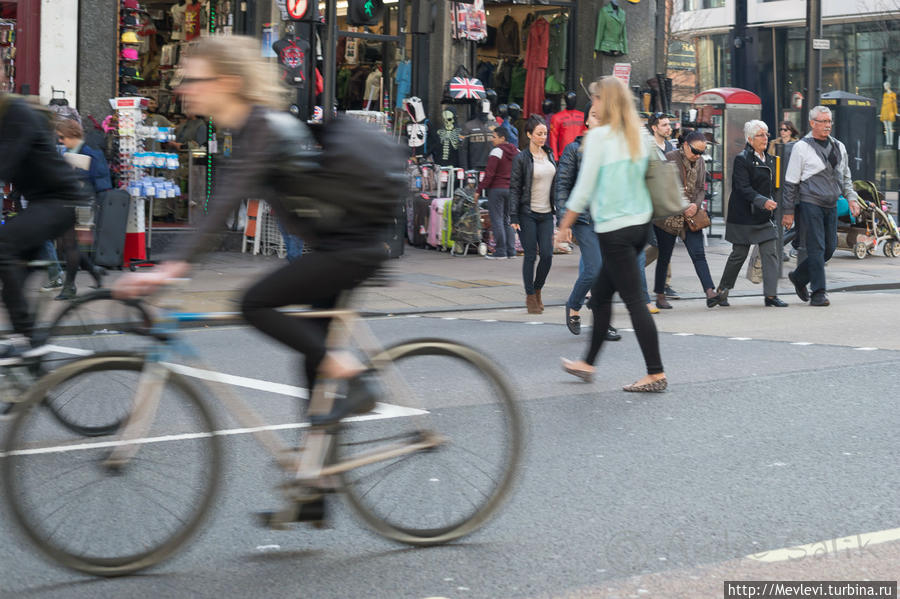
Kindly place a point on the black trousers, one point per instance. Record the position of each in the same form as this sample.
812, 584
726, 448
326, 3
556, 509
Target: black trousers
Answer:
620, 272
22, 239
316, 279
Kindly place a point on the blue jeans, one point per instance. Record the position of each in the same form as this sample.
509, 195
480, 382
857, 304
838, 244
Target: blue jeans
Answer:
48, 253
537, 235
504, 235
292, 243
642, 264
693, 241
588, 266
819, 227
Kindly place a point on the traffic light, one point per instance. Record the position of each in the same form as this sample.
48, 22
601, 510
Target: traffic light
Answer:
365, 12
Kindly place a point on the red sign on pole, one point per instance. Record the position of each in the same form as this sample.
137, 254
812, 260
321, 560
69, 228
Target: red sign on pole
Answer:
297, 8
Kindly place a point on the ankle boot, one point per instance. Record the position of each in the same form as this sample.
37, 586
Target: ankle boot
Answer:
98, 272
531, 304
540, 303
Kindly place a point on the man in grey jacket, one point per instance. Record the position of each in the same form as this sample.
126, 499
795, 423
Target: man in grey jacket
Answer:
817, 174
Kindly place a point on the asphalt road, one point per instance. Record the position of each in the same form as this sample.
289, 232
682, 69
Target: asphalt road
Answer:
758, 445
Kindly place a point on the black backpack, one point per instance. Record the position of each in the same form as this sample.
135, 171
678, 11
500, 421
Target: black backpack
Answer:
359, 176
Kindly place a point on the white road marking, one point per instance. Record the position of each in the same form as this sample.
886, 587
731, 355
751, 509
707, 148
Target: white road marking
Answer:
683, 334
489, 320
866, 348
740, 339
627, 330
449, 318
825, 548
802, 343
534, 322
268, 547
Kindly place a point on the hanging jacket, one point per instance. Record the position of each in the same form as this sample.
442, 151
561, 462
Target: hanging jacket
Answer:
556, 63
476, 145
520, 180
508, 37
565, 127
611, 35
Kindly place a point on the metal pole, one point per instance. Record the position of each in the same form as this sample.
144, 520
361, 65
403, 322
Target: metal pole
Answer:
330, 60
813, 57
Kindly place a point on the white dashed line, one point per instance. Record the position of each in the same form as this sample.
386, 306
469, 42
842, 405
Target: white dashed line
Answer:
449, 318
802, 343
489, 320
683, 334
865, 348
740, 339
627, 330
534, 322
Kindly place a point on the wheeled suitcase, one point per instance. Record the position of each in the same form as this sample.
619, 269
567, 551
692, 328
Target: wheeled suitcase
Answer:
436, 222
109, 231
418, 210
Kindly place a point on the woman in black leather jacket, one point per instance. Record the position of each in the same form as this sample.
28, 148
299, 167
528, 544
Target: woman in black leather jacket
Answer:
751, 212
533, 205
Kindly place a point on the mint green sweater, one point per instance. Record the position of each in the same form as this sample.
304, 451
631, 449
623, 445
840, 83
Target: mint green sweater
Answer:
610, 183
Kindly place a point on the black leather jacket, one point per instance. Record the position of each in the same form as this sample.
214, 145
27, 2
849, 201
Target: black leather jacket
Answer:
751, 185
520, 184
566, 175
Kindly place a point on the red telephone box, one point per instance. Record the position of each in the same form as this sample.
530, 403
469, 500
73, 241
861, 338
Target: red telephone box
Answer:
722, 112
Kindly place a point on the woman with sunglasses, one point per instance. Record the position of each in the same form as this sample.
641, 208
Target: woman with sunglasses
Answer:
693, 174
787, 133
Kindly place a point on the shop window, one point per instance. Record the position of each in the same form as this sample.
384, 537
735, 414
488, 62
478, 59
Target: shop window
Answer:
690, 5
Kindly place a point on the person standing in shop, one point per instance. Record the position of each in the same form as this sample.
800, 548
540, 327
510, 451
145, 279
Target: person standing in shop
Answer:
532, 206
583, 229
496, 183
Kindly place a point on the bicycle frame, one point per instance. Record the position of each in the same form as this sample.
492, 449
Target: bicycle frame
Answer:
314, 467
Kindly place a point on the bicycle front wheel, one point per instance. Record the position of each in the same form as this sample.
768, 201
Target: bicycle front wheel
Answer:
95, 518
435, 495
92, 324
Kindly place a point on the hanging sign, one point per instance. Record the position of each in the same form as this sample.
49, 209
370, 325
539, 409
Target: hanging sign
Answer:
622, 70
297, 8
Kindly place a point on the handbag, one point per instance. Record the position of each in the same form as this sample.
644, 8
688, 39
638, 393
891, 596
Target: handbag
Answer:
664, 185
462, 88
699, 221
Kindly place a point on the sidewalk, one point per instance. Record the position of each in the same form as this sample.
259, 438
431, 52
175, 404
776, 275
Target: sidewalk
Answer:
433, 281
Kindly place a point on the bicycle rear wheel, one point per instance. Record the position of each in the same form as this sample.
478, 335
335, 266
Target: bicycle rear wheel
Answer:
102, 520
92, 324
440, 494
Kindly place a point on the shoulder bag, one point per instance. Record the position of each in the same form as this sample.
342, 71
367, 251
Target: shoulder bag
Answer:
699, 221
664, 184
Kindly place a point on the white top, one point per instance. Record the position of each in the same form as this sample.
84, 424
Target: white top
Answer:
541, 182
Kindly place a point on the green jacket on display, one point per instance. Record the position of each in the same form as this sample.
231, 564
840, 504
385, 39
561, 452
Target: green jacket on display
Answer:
611, 36
556, 65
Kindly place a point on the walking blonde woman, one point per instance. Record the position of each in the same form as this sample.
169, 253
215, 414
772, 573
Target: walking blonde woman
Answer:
611, 185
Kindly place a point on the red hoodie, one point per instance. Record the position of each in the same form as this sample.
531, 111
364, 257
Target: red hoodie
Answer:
499, 166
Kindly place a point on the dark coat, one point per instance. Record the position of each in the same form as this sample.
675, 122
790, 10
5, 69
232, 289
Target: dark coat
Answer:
566, 175
520, 184
752, 184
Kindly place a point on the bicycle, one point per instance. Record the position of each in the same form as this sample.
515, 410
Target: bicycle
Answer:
91, 323
424, 469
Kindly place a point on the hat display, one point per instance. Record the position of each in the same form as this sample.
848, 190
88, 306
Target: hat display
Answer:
130, 37
130, 21
129, 90
131, 4
129, 54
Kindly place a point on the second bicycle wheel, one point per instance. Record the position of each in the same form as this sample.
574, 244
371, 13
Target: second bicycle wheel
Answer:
101, 520
91, 324
440, 494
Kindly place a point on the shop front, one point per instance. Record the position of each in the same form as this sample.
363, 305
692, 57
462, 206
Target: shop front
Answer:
20, 46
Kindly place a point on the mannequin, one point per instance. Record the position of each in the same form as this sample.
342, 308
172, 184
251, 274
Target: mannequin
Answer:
177, 12
476, 138
516, 120
549, 107
611, 38
493, 100
565, 126
446, 141
888, 113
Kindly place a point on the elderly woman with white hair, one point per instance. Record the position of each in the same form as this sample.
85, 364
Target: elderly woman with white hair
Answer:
751, 215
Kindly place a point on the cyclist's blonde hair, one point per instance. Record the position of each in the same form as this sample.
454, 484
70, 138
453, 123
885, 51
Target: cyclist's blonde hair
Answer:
239, 56
617, 110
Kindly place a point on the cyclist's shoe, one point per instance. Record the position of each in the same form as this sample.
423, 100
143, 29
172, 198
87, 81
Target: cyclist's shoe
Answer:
14, 347
361, 397
312, 512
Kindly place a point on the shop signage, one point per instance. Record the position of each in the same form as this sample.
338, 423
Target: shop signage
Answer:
682, 56
297, 8
622, 70
821, 44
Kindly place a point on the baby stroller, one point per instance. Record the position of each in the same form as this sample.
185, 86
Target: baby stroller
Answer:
873, 227
466, 232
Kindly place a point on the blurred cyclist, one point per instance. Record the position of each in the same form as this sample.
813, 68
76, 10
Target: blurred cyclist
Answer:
30, 161
225, 79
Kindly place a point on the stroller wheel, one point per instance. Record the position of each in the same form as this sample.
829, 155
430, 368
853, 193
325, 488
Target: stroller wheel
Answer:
861, 250
892, 249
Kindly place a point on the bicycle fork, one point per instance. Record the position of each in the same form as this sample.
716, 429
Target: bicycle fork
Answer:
146, 403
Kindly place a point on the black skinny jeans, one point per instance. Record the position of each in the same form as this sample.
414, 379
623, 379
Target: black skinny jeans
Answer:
620, 272
317, 279
21, 239
536, 234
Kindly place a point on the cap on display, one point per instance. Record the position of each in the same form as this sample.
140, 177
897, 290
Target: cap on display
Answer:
129, 54
130, 37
